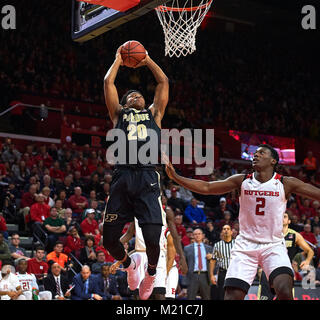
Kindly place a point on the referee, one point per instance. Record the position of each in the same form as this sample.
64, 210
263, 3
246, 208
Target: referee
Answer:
221, 254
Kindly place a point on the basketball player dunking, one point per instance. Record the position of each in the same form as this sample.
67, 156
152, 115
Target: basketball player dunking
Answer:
135, 188
263, 199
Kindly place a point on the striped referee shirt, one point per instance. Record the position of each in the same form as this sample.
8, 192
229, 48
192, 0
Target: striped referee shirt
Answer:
222, 252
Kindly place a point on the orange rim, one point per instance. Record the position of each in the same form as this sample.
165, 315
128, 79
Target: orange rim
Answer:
175, 9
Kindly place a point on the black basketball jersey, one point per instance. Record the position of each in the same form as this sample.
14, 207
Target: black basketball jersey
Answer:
142, 137
290, 238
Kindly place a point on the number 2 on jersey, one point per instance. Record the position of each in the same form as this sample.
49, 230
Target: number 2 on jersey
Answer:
261, 203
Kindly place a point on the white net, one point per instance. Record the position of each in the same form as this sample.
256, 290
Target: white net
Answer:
180, 21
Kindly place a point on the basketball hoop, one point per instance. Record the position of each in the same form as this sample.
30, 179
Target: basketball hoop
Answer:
180, 24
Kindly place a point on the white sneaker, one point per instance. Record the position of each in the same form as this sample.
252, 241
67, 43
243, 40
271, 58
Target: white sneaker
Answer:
146, 286
133, 275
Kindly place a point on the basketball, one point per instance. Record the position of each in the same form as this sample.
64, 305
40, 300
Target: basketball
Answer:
132, 53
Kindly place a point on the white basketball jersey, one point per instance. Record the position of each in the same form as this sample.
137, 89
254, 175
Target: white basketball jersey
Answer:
27, 281
262, 206
139, 241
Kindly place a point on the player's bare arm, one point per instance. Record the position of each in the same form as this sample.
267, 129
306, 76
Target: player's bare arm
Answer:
129, 233
110, 91
306, 248
161, 95
296, 186
205, 187
171, 252
176, 241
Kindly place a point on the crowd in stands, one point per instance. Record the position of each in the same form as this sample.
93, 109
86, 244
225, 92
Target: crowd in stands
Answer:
267, 76
58, 199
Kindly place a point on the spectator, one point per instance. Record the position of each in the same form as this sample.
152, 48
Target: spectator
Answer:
175, 202
295, 225
179, 226
89, 226
194, 214
107, 283
57, 256
21, 172
101, 260
226, 220
73, 242
3, 227
57, 283
188, 238
17, 252
39, 212
308, 235
66, 186
27, 200
63, 197
219, 211
88, 253
37, 265
97, 212
310, 164
306, 209
316, 232
56, 174
78, 203
55, 228
315, 222
11, 155
70, 222
60, 209
211, 234
48, 200
5, 254
10, 288
85, 286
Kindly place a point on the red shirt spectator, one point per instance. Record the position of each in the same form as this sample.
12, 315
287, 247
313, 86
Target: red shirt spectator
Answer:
179, 226
56, 174
89, 225
308, 235
73, 243
28, 198
305, 209
109, 257
36, 265
3, 224
310, 162
186, 240
40, 210
77, 202
3, 170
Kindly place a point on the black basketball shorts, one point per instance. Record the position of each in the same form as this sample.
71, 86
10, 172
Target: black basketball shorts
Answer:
134, 193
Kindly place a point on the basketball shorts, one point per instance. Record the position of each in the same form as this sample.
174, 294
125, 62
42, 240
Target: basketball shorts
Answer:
247, 255
172, 282
134, 193
161, 272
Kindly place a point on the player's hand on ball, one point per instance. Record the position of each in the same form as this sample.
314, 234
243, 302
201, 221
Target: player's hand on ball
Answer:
119, 57
143, 62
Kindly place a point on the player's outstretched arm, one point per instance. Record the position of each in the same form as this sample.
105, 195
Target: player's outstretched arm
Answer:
110, 90
296, 186
129, 234
205, 187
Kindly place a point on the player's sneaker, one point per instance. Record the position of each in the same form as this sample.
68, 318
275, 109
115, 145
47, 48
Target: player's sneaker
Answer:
146, 286
133, 275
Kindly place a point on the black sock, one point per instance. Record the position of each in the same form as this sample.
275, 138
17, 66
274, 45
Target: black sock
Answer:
127, 262
151, 270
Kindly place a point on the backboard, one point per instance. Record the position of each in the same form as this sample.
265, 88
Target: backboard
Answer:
90, 20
